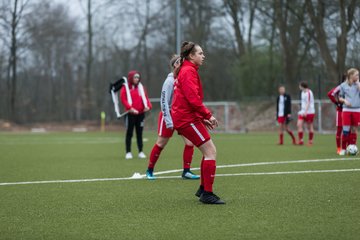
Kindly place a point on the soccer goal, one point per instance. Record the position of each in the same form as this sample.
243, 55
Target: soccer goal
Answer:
227, 113
252, 116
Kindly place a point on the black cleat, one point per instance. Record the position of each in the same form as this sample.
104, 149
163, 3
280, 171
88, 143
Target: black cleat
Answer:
210, 198
199, 191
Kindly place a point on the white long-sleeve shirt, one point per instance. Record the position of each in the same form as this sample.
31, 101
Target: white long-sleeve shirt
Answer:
307, 102
167, 93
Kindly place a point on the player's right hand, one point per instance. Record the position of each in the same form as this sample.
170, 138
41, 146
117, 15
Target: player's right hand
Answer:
134, 111
213, 121
208, 124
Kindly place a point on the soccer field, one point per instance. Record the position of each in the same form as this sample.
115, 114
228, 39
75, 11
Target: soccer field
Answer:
269, 193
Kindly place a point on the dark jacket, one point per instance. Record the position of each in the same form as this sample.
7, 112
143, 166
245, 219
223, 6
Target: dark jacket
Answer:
287, 105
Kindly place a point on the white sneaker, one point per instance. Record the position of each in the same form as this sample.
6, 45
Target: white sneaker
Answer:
142, 155
128, 155
342, 152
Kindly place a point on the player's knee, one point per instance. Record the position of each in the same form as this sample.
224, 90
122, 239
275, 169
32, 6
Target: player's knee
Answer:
161, 142
211, 154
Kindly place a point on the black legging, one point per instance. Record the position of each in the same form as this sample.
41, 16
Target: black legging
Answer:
136, 121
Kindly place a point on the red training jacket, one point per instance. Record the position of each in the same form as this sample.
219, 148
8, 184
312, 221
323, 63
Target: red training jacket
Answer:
187, 105
137, 102
333, 95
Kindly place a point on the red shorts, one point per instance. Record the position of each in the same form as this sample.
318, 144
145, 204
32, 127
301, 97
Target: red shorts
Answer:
309, 118
281, 120
339, 122
196, 133
350, 118
162, 130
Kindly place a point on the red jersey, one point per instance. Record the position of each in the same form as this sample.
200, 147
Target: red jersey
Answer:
333, 95
137, 101
187, 105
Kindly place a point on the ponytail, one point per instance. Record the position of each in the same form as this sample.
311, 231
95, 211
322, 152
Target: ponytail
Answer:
187, 48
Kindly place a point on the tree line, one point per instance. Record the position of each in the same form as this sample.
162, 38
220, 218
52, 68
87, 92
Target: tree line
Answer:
56, 66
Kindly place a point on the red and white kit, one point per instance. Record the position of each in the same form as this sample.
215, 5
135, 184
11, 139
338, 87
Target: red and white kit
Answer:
351, 114
188, 113
188, 110
307, 112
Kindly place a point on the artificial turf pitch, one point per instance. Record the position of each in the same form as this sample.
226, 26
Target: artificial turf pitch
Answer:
279, 206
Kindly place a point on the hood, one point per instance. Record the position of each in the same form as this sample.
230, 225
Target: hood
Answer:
131, 77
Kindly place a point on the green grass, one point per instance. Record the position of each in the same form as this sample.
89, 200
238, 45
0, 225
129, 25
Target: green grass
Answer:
297, 206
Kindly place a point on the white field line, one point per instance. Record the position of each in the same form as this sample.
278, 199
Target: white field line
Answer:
68, 181
63, 142
289, 172
262, 163
218, 175
55, 141
274, 173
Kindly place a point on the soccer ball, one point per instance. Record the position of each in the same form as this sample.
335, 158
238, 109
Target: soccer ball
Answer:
352, 149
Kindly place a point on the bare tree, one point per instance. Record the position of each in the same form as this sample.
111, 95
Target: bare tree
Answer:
233, 8
320, 13
289, 19
12, 15
89, 57
237, 10
52, 41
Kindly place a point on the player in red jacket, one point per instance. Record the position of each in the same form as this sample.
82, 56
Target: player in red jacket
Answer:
333, 95
136, 102
166, 128
192, 119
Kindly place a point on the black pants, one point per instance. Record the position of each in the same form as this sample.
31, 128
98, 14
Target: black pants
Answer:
136, 121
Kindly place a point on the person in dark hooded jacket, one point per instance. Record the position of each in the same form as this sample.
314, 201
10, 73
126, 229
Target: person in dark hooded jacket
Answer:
136, 102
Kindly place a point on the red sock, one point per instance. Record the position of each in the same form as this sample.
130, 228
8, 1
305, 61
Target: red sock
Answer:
209, 174
154, 156
291, 135
344, 141
353, 138
202, 172
338, 137
311, 136
187, 156
281, 138
301, 135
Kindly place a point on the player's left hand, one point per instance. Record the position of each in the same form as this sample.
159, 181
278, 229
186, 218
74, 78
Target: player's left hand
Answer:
146, 109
